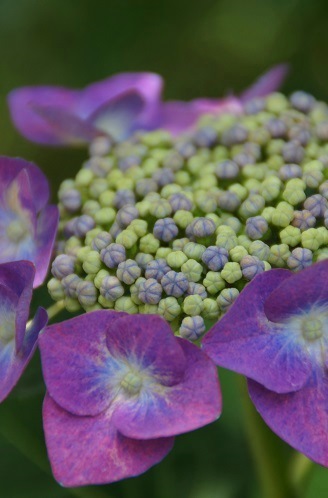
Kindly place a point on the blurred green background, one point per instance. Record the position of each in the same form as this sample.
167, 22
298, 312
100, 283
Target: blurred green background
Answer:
205, 48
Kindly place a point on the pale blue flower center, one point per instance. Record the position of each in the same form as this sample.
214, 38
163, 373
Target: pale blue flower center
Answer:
312, 328
17, 231
132, 382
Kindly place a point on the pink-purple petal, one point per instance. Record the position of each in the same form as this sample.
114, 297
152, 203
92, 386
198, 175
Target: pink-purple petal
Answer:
9, 169
300, 293
267, 83
161, 411
300, 418
89, 450
147, 342
77, 366
47, 224
245, 341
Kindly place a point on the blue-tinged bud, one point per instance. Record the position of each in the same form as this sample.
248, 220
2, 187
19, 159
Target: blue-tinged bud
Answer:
300, 259
237, 134
126, 215
145, 186
302, 101
156, 269
196, 289
215, 257
226, 298
299, 134
259, 249
179, 244
163, 176
316, 204
128, 271
111, 288
254, 106
101, 240
180, 201
227, 170
62, 266
124, 197
303, 220
185, 148
276, 127
69, 284
87, 293
229, 201
256, 227
288, 171
201, 227
71, 199
175, 283
150, 291
293, 152
192, 328
83, 224
165, 229
113, 255
206, 136
251, 266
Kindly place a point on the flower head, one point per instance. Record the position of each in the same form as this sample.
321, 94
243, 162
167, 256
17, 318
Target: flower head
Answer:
119, 389
17, 338
27, 224
276, 333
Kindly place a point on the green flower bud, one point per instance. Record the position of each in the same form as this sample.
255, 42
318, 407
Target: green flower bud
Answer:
267, 266
270, 188
72, 305
312, 239
160, 209
82, 253
179, 244
56, 290
206, 202
183, 218
210, 309
87, 293
279, 253
231, 272
170, 189
97, 187
233, 223
182, 178
92, 262
127, 238
176, 259
149, 244
290, 236
254, 171
293, 196
192, 270
321, 254
213, 282
237, 253
214, 217
105, 303
239, 190
324, 232
193, 250
91, 208
313, 178
84, 177
169, 308
244, 241
91, 235
283, 215
139, 227
163, 252
148, 309
126, 304
267, 213
226, 240
276, 102
106, 198
259, 249
252, 205
193, 305
105, 216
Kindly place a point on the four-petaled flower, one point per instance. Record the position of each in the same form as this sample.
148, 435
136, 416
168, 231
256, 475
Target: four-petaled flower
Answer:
276, 334
18, 339
117, 107
120, 387
27, 224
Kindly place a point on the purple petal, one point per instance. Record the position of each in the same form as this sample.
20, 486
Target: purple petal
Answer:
166, 411
299, 418
176, 116
9, 169
66, 126
267, 83
12, 365
119, 116
299, 293
245, 341
58, 116
77, 366
216, 106
89, 450
24, 104
147, 342
45, 238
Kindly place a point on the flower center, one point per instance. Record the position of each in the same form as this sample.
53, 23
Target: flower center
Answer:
132, 383
17, 231
312, 328
7, 331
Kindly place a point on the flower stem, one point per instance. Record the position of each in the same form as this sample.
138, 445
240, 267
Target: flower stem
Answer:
266, 453
19, 436
54, 309
300, 470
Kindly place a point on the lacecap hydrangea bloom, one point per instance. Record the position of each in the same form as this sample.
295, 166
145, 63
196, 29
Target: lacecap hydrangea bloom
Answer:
117, 107
178, 226
120, 387
18, 337
28, 224
276, 333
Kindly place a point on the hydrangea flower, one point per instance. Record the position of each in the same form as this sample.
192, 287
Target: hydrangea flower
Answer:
116, 107
276, 334
18, 339
28, 224
120, 388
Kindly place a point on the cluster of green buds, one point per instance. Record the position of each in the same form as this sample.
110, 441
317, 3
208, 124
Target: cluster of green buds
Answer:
178, 226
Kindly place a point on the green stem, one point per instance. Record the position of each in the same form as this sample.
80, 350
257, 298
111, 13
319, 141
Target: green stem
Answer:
54, 309
263, 445
17, 434
300, 470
